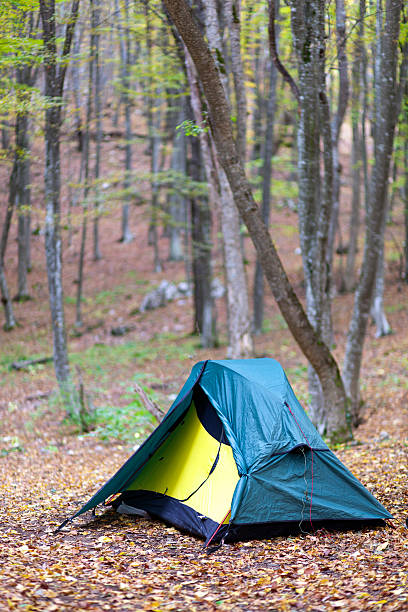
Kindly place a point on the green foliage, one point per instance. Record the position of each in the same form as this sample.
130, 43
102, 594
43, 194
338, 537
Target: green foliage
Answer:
97, 360
192, 129
10, 444
129, 423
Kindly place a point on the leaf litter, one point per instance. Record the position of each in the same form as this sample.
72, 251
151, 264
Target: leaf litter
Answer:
112, 562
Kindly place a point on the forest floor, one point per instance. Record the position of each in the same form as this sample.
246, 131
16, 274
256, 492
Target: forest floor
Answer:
48, 469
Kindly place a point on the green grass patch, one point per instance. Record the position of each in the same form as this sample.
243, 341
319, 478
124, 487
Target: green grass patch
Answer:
131, 423
100, 360
395, 308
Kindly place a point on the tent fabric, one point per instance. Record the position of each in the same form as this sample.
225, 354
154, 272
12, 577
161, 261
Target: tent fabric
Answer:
237, 438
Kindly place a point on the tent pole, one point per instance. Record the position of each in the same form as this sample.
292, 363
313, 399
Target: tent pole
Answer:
218, 528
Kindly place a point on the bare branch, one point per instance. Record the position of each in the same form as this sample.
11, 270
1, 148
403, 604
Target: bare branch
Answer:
149, 404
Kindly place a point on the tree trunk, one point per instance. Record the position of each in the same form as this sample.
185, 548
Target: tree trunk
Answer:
10, 322
176, 200
76, 87
356, 158
124, 47
232, 10
364, 114
374, 236
23, 203
85, 164
266, 191
5, 135
240, 343
315, 196
406, 196
155, 143
342, 102
383, 328
202, 165
201, 255
310, 342
258, 110
25, 78
55, 70
95, 16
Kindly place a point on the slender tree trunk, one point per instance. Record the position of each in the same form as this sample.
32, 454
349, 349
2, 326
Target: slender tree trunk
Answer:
76, 87
202, 165
342, 102
96, 15
10, 322
233, 16
258, 111
383, 145
364, 114
349, 277
124, 47
240, 343
315, 196
310, 342
356, 159
55, 70
201, 255
377, 312
85, 164
406, 195
5, 135
155, 144
383, 328
25, 79
377, 306
266, 190
176, 200
23, 203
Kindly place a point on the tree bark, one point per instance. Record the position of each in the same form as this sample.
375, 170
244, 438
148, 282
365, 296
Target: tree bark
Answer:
266, 188
356, 159
383, 145
86, 172
233, 16
23, 203
315, 202
310, 342
176, 200
95, 17
124, 47
406, 198
202, 165
342, 102
240, 343
10, 321
55, 70
25, 80
201, 254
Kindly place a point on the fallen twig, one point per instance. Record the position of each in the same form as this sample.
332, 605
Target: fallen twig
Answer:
37, 396
22, 365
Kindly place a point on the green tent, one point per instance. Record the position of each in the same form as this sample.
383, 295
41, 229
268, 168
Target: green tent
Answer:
236, 457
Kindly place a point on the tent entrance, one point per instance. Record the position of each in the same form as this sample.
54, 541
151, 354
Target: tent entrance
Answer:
194, 468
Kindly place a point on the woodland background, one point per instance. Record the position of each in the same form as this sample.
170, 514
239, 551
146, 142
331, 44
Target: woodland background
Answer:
117, 177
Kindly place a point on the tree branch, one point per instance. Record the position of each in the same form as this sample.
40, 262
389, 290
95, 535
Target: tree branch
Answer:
69, 33
274, 52
149, 404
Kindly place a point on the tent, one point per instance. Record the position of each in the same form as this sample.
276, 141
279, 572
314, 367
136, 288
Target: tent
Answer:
236, 457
